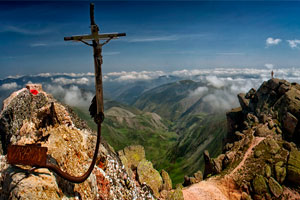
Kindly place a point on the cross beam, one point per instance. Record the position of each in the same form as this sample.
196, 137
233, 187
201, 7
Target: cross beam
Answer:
103, 36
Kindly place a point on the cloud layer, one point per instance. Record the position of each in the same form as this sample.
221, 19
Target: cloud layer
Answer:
9, 86
218, 90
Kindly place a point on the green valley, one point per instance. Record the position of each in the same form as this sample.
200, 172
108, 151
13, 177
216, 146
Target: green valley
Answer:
171, 123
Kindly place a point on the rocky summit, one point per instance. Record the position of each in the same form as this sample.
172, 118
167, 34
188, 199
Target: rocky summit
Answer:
261, 157
31, 116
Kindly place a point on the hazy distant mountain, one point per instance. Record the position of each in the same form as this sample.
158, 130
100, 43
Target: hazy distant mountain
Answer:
182, 98
60, 84
169, 100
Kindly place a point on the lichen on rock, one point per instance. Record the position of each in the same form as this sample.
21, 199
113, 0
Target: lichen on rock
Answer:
293, 167
150, 176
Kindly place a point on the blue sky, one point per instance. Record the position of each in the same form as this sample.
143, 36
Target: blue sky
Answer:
160, 35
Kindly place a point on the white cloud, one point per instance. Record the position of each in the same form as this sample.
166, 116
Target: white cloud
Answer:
200, 91
25, 31
38, 44
215, 81
66, 81
272, 41
45, 74
9, 86
72, 96
51, 44
220, 100
219, 86
269, 65
133, 75
231, 53
155, 39
293, 43
14, 77
166, 37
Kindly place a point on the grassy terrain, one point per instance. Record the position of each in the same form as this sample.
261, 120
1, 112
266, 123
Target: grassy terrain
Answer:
174, 142
119, 135
197, 133
180, 154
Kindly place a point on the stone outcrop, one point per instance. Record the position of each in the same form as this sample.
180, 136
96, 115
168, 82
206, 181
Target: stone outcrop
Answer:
140, 169
134, 155
151, 177
194, 179
293, 167
275, 187
30, 116
259, 185
244, 102
167, 182
277, 99
289, 123
175, 195
268, 121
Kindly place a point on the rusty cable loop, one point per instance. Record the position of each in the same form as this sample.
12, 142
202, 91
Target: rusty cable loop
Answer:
36, 156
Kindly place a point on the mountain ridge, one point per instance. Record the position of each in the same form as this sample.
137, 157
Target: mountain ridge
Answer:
261, 157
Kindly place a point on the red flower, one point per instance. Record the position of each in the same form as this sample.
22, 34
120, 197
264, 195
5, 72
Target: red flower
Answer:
34, 92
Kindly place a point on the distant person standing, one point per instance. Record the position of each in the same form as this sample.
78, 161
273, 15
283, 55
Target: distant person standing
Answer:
272, 74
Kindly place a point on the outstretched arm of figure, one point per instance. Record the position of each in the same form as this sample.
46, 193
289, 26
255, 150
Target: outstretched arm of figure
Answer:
107, 41
84, 42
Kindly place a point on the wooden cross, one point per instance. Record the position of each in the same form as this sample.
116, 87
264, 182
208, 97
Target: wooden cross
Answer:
95, 37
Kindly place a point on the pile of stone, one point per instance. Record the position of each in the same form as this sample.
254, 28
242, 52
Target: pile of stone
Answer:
31, 116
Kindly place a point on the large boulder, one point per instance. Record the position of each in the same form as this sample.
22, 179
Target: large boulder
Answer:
289, 123
175, 194
268, 171
275, 187
293, 167
244, 102
280, 171
134, 154
167, 182
198, 176
43, 186
150, 176
289, 102
262, 130
234, 119
259, 185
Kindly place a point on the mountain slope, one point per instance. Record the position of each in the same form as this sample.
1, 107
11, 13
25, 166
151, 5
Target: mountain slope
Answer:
169, 100
197, 133
125, 125
262, 161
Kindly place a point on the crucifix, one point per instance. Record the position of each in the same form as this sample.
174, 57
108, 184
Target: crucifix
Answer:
36, 155
95, 37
